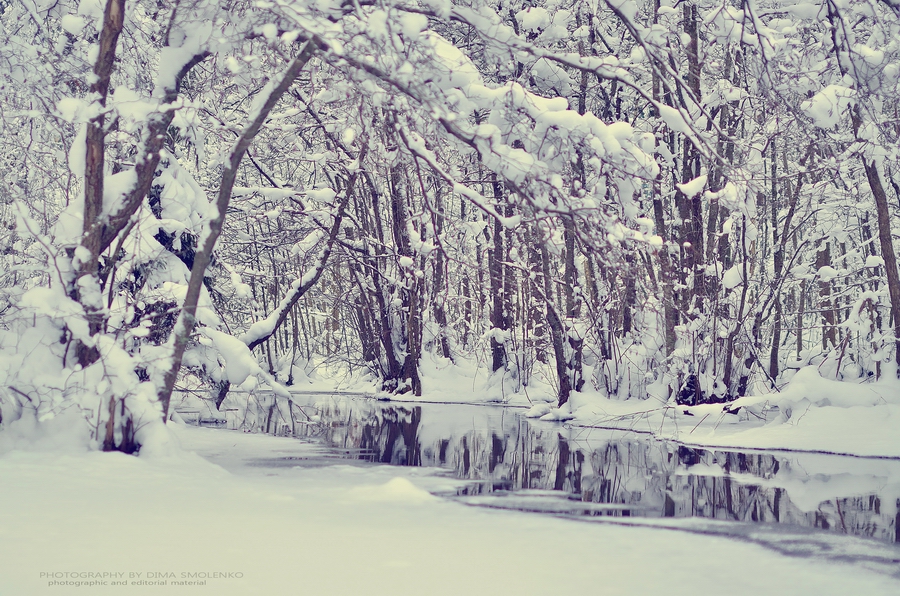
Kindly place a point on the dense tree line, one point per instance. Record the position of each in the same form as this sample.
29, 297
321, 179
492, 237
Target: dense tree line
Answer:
687, 200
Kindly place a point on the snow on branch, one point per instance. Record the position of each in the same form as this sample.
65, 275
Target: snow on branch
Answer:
263, 330
267, 100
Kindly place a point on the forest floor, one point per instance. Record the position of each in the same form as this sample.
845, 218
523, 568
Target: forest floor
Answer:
215, 501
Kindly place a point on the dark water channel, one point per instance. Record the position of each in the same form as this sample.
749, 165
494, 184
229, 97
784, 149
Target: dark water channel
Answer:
511, 462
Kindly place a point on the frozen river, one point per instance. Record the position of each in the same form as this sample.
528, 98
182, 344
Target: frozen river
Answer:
366, 497
796, 502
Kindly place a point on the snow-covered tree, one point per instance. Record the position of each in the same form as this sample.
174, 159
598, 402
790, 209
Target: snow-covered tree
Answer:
641, 198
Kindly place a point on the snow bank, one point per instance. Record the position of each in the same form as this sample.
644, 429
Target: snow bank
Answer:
810, 414
808, 387
66, 432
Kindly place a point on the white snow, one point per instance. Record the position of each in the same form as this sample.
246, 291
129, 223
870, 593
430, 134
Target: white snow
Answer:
873, 261
73, 24
827, 106
533, 18
173, 58
413, 24
811, 413
321, 195
673, 118
733, 277
343, 529
693, 187
827, 273
240, 362
395, 490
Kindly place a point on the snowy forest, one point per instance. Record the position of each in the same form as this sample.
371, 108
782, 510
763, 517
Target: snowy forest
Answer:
687, 199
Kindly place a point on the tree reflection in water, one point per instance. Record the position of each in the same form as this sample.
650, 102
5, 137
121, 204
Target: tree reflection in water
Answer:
601, 472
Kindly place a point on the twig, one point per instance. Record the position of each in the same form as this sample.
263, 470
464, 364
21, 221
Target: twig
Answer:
699, 423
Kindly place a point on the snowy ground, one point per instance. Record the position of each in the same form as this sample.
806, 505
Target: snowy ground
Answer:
346, 529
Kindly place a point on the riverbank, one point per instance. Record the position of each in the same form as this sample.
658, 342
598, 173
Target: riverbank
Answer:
810, 413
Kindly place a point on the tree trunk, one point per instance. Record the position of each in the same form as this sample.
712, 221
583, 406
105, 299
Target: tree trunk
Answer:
829, 340
557, 331
100, 229
667, 276
86, 286
887, 250
573, 310
496, 271
439, 291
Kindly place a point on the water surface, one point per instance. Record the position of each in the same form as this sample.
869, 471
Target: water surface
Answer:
803, 504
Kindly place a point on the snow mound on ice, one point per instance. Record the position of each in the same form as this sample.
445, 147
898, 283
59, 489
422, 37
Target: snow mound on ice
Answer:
538, 410
550, 412
398, 490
